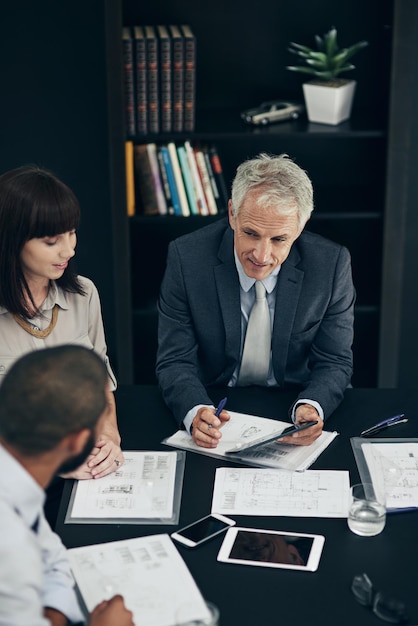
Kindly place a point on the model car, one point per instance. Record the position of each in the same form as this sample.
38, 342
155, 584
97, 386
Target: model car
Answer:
274, 111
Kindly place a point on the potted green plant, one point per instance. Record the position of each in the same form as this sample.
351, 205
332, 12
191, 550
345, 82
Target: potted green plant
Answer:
328, 97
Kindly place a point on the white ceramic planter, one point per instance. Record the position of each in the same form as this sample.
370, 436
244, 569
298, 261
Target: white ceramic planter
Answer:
329, 105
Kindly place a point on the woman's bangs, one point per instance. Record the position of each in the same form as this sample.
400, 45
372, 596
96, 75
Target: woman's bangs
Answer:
53, 215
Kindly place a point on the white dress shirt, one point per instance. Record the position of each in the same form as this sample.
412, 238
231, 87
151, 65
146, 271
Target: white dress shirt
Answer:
34, 569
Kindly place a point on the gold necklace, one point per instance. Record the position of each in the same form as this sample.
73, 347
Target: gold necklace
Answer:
40, 334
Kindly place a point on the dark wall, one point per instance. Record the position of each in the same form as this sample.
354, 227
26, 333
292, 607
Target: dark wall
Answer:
53, 112
398, 333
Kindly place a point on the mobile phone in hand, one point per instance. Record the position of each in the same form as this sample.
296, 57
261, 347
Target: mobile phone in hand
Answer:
240, 447
295, 429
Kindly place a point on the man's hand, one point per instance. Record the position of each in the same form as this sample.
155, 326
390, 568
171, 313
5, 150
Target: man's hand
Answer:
111, 612
305, 413
206, 427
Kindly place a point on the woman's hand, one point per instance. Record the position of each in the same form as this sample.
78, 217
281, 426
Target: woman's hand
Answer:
106, 456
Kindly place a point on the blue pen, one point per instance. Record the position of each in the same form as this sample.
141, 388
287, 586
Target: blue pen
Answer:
391, 421
221, 405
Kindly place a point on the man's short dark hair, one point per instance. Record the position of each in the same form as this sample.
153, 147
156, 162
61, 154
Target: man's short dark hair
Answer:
49, 394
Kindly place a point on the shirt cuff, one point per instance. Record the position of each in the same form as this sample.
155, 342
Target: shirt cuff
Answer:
313, 403
190, 415
65, 601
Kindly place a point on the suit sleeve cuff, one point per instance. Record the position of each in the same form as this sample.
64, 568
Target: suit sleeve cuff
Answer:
313, 403
190, 415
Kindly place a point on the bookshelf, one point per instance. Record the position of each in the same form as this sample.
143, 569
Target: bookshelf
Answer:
366, 191
240, 62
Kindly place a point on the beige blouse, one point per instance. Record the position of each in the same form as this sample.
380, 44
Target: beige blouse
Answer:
79, 322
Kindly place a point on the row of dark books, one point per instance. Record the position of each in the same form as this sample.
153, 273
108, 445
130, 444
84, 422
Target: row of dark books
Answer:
159, 79
174, 179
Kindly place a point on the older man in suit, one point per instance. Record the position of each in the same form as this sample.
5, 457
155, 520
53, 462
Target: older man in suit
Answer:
209, 289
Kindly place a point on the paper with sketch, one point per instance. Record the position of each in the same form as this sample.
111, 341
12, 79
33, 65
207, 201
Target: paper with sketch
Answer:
243, 428
147, 571
244, 491
393, 469
143, 487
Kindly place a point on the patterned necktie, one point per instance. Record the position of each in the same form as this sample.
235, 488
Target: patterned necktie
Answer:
257, 347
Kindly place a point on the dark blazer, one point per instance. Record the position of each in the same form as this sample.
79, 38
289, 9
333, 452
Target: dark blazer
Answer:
199, 327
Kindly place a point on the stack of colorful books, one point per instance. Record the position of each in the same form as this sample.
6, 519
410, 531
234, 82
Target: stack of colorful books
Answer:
175, 179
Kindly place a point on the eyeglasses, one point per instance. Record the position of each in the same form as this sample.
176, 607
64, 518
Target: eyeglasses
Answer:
387, 609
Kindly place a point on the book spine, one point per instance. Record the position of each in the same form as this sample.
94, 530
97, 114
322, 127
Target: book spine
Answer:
220, 180
185, 210
165, 79
164, 180
189, 79
171, 180
210, 200
187, 177
177, 78
144, 182
200, 194
128, 80
158, 186
141, 100
213, 184
152, 83
130, 180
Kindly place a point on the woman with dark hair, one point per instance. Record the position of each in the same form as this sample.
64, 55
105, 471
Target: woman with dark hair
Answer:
43, 303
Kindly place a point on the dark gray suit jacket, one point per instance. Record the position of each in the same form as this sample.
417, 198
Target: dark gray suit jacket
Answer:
199, 323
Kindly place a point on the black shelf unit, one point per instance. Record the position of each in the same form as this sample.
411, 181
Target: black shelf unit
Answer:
62, 107
349, 192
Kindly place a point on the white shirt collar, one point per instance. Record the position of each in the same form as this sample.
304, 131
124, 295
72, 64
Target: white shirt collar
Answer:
55, 296
25, 493
246, 282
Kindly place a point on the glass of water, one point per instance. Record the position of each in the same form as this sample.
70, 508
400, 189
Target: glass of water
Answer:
367, 511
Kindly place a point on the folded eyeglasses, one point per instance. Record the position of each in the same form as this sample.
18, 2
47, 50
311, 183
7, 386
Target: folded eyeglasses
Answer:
387, 609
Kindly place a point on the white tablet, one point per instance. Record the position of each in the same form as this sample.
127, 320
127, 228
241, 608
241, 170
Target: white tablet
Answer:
271, 548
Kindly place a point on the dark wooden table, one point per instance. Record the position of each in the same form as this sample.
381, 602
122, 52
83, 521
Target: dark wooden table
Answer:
258, 596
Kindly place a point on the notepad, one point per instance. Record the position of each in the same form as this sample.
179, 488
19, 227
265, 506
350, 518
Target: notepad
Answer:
243, 428
148, 572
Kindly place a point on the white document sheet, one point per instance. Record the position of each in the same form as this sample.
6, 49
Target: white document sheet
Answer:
393, 468
243, 428
147, 571
143, 487
243, 491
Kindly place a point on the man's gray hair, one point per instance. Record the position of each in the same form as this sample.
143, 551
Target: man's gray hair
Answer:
281, 183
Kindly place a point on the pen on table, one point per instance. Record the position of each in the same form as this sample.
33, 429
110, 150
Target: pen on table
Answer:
391, 421
221, 406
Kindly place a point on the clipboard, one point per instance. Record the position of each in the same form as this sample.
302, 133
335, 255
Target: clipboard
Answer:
391, 465
119, 491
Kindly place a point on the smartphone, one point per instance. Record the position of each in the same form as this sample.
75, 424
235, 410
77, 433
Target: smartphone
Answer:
272, 548
294, 428
202, 530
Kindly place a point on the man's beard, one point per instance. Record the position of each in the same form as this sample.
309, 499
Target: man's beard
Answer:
72, 464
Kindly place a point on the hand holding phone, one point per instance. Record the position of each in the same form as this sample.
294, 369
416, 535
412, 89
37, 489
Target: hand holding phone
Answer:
202, 530
295, 428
